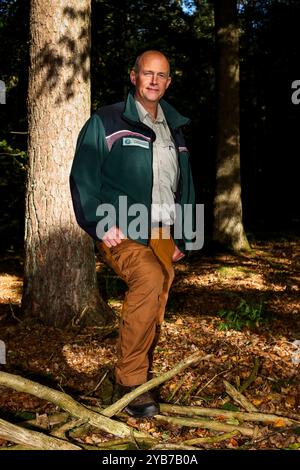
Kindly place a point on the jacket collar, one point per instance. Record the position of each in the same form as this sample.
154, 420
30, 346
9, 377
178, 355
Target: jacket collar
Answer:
144, 115
173, 118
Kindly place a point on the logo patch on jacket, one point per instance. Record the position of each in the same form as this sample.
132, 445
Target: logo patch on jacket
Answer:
132, 141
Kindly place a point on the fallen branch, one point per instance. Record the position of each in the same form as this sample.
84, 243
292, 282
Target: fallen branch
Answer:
14, 433
173, 447
102, 420
251, 377
238, 397
217, 413
13, 313
19, 447
178, 386
99, 383
125, 446
194, 387
117, 444
60, 431
120, 404
80, 431
205, 424
68, 404
211, 380
41, 423
211, 440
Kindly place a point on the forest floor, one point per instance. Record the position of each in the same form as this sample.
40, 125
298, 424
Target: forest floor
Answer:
258, 330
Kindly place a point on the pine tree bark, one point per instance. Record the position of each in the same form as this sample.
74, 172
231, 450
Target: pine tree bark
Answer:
228, 223
60, 283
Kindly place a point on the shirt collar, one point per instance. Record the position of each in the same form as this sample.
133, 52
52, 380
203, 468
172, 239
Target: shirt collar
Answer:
143, 113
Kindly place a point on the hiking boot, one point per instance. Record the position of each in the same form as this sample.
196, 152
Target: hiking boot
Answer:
142, 406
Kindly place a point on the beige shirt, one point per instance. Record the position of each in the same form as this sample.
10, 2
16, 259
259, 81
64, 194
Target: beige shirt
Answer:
165, 167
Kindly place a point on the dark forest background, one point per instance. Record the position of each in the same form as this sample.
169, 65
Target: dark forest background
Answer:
269, 64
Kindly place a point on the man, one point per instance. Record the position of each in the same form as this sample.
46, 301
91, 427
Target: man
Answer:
134, 153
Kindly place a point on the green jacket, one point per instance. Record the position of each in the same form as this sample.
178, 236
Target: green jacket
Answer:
114, 158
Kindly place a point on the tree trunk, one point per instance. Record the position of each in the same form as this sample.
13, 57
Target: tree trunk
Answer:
228, 224
60, 283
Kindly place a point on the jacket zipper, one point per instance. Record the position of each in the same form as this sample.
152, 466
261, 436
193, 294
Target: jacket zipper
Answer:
152, 134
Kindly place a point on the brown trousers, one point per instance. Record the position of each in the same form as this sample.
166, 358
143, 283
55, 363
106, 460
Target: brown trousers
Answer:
149, 273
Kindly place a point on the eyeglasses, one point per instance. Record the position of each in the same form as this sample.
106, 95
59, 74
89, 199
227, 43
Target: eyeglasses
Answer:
159, 75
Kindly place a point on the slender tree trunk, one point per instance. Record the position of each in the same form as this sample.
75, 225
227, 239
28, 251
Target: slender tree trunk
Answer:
60, 277
228, 224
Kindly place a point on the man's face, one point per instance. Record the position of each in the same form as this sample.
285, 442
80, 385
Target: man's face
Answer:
152, 78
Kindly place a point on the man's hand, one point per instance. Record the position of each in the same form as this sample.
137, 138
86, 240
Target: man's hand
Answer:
113, 237
177, 255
